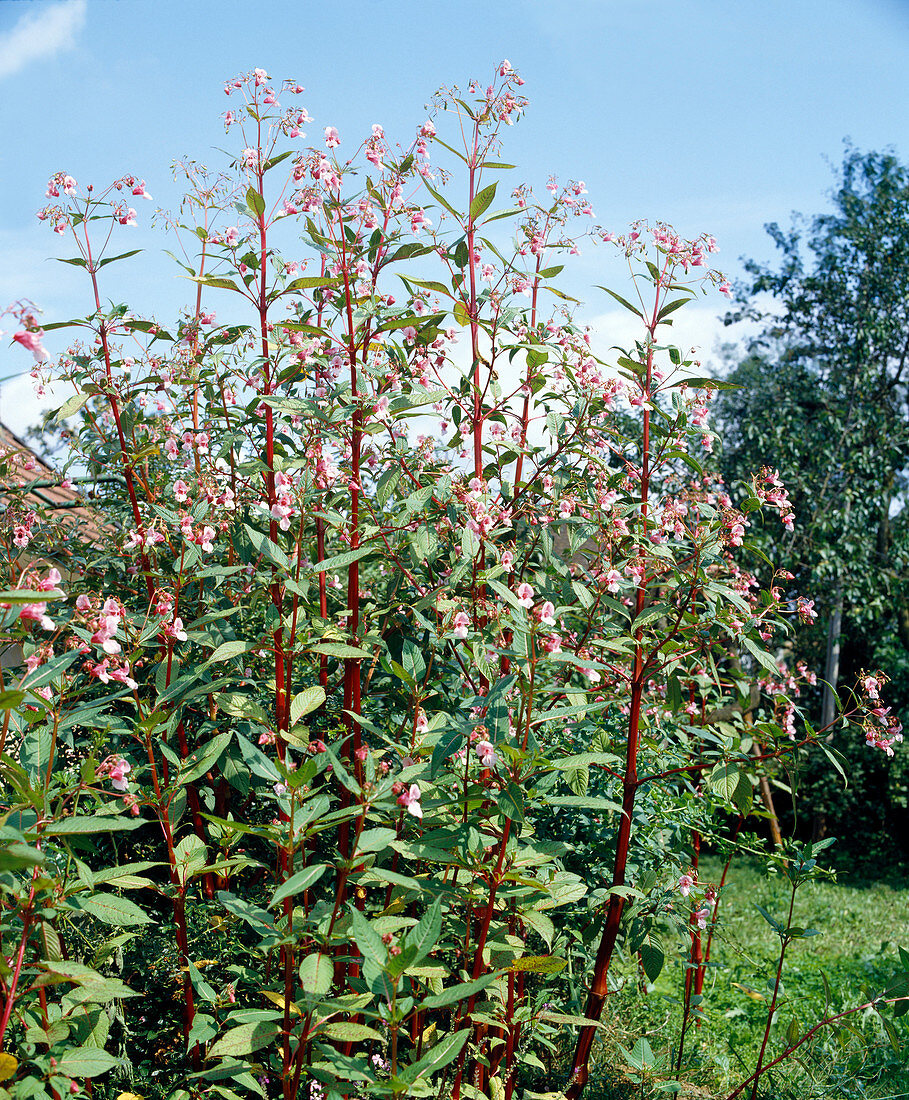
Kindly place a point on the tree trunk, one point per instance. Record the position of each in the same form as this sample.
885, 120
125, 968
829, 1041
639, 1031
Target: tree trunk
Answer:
832, 666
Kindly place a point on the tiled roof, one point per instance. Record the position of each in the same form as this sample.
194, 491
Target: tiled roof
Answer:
44, 492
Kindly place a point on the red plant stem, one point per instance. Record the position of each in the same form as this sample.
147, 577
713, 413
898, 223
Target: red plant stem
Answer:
699, 981
480, 945
804, 1039
695, 957
599, 983
477, 424
128, 474
20, 955
776, 989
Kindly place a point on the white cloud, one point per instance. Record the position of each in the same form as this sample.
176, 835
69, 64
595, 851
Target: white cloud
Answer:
41, 34
697, 330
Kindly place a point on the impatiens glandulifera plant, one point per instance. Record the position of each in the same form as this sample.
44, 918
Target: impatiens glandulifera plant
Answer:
386, 570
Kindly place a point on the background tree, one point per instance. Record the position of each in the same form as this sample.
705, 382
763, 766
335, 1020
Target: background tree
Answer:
824, 391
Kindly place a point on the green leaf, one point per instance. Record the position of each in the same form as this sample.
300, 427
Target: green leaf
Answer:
440, 1055
255, 202
571, 1021
481, 201
426, 934
460, 992
272, 161
190, 856
368, 940
583, 802
774, 924
652, 959
71, 405
240, 706
743, 795
448, 744
226, 650
80, 826
309, 282
317, 974
706, 383
442, 201
538, 964
111, 909
298, 882
761, 656
622, 301
85, 1062
122, 256
510, 801
337, 649
202, 760
346, 1032
29, 595
541, 924
305, 702
340, 560
244, 1039
216, 284
412, 660
724, 779
269, 550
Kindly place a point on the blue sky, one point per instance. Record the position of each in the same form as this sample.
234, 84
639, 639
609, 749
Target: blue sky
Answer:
712, 115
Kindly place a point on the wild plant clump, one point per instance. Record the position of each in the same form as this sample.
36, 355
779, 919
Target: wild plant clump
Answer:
410, 646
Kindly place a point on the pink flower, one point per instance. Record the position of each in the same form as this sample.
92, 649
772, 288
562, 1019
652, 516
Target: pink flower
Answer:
181, 490
701, 916
331, 137
872, 686
461, 624
806, 610
552, 643
613, 580
31, 341
139, 190
486, 754
118, 774
547, 614
418, 220
410, 800
175, 630
36, 612
427, 129
685, 884
122, 676
507, 561
525, 595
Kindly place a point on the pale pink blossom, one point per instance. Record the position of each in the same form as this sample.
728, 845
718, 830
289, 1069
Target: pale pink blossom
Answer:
410, 800
486, 754
461, 624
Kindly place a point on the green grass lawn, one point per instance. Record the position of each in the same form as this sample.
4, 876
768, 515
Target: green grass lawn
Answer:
861, 922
